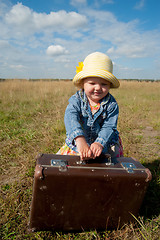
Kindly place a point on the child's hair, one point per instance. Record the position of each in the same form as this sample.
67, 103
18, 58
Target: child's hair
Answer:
95, 65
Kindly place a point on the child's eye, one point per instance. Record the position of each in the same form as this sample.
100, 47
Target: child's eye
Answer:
105, 84
92, 83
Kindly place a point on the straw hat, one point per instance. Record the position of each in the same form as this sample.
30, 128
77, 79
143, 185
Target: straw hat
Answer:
96, 65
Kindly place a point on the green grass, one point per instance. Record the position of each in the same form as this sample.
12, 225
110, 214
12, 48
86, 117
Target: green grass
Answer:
31, 121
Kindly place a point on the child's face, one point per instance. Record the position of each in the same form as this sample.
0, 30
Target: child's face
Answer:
95, 88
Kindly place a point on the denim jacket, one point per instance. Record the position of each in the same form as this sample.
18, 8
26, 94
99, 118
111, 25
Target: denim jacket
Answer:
100, 127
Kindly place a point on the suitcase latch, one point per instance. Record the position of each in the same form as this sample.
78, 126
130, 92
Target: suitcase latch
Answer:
128, 166
61, 164
109, 163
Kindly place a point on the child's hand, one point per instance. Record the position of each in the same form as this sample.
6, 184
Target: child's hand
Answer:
83, 148
96, 149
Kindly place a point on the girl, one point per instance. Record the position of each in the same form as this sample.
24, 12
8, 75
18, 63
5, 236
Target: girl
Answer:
92, 113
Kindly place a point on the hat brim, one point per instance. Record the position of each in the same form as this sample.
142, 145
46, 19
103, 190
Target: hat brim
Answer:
77, 80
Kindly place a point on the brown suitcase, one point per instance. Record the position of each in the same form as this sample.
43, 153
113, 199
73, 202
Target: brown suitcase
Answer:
70, 195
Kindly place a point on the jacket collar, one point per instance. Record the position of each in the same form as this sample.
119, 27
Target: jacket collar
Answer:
86, 110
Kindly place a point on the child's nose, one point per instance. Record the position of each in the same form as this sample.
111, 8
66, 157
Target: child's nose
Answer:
97, 87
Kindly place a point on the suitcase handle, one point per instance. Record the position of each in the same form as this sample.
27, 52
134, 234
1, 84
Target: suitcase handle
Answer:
107, 155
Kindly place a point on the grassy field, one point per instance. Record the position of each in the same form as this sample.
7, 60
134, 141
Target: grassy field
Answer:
31, 121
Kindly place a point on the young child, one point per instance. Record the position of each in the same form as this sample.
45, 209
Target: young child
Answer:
92, 113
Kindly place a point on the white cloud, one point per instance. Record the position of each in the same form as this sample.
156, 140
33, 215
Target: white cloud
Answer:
108, 1
125, 38
55, 50
4, 6
136, 45
18, 67
62, 60
139, 5
78, 3
25, 20
19, 15
4, 44
27, 39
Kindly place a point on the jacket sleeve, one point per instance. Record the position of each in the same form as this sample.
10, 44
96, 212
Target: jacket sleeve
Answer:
72, 119
109, 126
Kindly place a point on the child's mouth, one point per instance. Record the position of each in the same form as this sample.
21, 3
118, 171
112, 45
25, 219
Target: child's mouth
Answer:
97, 93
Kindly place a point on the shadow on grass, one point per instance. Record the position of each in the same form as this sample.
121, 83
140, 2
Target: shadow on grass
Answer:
151, 204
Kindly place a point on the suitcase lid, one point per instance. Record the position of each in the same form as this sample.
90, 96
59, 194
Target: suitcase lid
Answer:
103, 162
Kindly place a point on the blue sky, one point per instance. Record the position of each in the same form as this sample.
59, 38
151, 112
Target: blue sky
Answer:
47, 39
